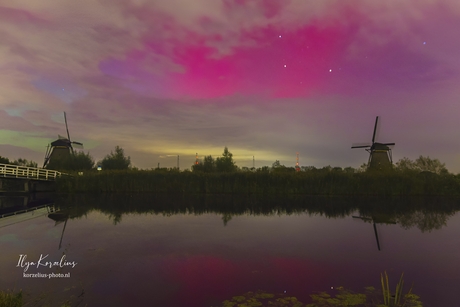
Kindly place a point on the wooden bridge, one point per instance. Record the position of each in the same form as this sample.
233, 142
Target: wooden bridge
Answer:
24, 172
15, 178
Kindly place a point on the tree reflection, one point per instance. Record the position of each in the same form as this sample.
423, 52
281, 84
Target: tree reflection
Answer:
425, 214
425, 220
225, 218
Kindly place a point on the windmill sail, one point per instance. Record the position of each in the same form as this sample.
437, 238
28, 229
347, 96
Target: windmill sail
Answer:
380, 156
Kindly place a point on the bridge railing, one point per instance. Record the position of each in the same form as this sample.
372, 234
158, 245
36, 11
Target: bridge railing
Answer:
24, 172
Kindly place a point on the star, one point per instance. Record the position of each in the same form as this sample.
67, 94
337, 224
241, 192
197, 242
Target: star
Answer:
330, 70
424, 43
279, 36
284, 65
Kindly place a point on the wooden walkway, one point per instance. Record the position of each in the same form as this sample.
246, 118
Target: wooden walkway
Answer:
24, 172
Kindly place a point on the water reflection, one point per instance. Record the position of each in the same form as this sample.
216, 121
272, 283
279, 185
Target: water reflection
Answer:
18, 209
426, 214
200, 250
375, 220
59, 217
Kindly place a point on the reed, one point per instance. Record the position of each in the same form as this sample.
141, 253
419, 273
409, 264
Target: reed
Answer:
11, 299
342, 298
398, 299
259, 183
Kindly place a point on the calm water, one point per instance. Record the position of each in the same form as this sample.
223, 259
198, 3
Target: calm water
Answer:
181, 252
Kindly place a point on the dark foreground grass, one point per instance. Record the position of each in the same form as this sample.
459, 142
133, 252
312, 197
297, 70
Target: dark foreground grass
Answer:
11, 299
341, 297
371, 297
247, 183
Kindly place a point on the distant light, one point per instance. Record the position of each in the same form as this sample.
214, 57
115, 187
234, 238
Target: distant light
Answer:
99, 168
80, 173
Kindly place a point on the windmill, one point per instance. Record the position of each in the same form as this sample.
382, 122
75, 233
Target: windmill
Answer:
62, 147
379, 153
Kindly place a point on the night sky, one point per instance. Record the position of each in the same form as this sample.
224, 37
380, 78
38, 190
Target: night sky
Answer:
265, 78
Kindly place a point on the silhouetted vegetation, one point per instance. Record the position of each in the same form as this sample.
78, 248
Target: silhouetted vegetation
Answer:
11, 299
328, 181
424, 176
77, 161
224, 164
208, 165
18, 299
341, 297
20, 162
116, 160
422, 164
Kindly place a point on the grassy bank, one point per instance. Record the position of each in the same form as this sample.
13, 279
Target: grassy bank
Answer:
247, 183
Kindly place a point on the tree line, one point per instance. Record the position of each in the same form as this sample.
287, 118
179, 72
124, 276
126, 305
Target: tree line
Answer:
19, 162
80, 161
117, 160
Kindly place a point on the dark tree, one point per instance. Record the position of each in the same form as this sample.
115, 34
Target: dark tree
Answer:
276, 164
78, 161
226, 163
24, 162
4, 160
422, 164
263, 169
207, 166
277, 167
426, 164
116, 160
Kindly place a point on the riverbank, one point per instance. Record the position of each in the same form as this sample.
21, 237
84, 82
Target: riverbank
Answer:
246, 183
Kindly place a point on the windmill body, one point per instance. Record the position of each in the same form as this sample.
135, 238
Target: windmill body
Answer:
61, 148
379, 153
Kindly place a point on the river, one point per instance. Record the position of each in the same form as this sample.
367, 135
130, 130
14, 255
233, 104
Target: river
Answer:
185, 251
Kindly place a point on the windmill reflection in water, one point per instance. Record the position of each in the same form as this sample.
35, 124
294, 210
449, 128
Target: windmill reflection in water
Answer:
58, 217
376, 219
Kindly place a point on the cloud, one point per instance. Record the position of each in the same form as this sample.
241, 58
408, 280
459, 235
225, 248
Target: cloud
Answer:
160, 77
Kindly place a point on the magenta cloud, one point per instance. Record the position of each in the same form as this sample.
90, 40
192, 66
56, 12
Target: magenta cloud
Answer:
265, 78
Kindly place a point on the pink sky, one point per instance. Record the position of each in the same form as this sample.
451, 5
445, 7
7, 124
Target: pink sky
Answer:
265, 78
